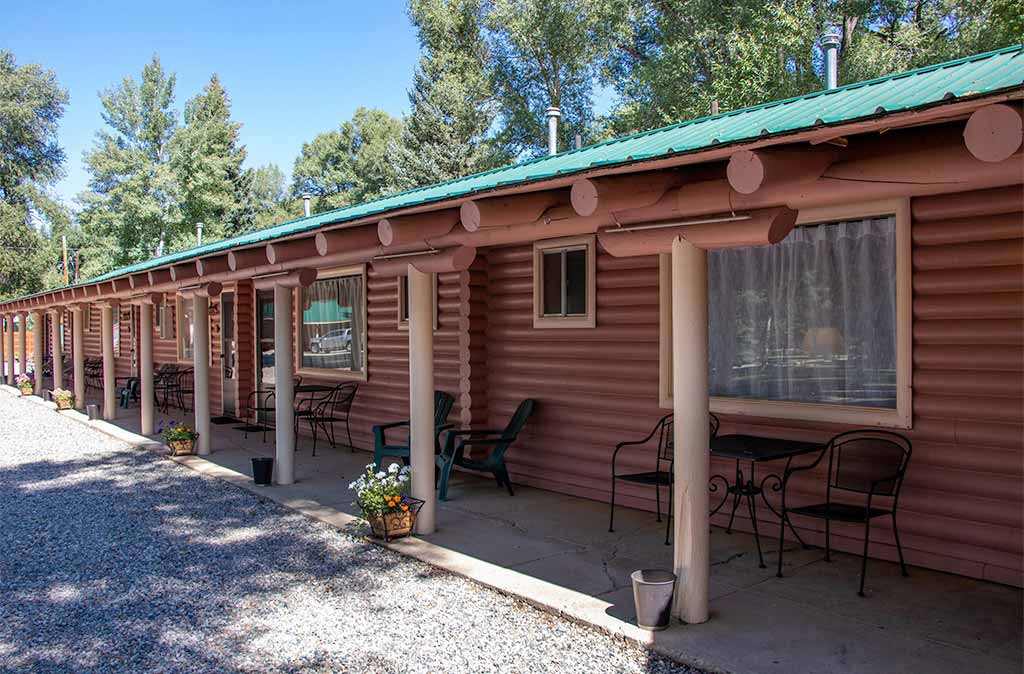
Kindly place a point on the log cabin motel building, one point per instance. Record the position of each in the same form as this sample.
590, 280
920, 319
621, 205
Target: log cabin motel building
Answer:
843, 260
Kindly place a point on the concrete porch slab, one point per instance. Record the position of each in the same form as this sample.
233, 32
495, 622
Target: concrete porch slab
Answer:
555, 551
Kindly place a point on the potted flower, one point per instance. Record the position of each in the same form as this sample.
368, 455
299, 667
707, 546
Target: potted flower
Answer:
24, 384
179, 437
384, 501
65, 399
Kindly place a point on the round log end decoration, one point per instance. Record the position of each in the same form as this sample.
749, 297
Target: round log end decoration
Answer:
272, 254
385, 232
781, 224
994, 133
584, 197
745, 172
321, 244
173, 271
469, 214
232, 261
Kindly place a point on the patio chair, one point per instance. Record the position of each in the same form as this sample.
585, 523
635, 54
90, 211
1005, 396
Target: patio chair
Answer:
334, 409
657, 478
258, 402
443, 403
128, 392
499, 441
184, 387
869, 462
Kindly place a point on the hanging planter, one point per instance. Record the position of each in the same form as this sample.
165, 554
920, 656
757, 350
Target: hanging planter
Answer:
385, 504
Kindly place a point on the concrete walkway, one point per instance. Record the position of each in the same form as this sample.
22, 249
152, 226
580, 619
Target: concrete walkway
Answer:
555, 551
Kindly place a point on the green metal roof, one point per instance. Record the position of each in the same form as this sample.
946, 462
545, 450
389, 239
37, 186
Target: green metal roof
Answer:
972, 76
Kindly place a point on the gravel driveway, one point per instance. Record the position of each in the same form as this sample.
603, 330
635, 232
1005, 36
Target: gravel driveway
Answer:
114, 559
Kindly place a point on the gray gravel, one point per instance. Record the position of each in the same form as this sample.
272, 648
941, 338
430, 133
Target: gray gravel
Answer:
116, 560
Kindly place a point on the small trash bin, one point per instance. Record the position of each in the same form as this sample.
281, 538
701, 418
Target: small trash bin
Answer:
652, 594
262, 470
93, 411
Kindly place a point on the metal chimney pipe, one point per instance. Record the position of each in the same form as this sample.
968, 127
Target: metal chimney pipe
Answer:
830, 45
552, 114
305, 203
199, 233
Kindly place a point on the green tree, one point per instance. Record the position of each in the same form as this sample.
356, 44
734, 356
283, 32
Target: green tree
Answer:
206, 159
351, 164
453, 107
266, 200
132, 210
24, 253
544, 53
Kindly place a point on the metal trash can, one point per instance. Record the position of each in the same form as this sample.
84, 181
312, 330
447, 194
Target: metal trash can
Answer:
93, 411
262, 470
652, 595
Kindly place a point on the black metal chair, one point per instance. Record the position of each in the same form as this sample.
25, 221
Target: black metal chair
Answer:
257, 403
657, 478
870, 462
184, 388
334, 409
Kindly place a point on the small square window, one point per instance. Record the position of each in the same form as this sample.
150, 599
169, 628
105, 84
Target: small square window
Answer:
564, 283
403, 301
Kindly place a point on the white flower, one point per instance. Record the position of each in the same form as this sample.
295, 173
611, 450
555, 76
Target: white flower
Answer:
403, 479
381, 475
393, 468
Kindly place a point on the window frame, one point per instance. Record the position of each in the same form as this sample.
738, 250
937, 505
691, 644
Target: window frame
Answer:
328, 373
403, 285
587, 320
87, 318
901, 416
179, 330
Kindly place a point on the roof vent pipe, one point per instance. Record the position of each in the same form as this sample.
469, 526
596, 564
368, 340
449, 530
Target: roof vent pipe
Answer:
552, 114
830, 45
199, 233
305, 203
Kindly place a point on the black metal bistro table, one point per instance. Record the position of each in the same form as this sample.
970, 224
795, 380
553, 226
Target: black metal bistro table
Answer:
754, 449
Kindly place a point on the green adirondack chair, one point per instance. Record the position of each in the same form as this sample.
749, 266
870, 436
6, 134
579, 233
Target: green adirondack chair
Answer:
499, 441
442, 407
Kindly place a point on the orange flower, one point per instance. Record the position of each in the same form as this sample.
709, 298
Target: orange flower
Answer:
404, 508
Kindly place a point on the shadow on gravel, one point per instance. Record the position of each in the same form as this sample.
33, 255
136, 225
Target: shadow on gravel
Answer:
120, 561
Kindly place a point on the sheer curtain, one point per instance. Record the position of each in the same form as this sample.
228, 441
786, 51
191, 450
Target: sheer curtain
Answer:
810, 319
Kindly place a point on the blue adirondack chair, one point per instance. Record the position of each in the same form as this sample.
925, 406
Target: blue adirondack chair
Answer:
442, 407
498, 440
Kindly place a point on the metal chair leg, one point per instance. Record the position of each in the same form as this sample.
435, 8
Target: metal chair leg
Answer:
899, 548
757, 537
828, 539
611, 514
348, 430
657, 500
864, 557
782, 536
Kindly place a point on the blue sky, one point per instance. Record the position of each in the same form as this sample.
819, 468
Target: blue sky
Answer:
292, 69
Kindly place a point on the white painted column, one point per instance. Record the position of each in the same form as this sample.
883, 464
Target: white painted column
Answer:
56, 354
109, 383
692, 437
9, 349
201, 368
23, 341
38, 328
78, 353
146, 390
284, 385
421, 396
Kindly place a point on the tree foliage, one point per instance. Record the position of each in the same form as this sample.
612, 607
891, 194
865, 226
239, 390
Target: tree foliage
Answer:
350, 164
446, 134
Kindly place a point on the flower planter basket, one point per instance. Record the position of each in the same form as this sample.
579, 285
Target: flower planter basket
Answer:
396, 524
182, 447
26, 390
64, 404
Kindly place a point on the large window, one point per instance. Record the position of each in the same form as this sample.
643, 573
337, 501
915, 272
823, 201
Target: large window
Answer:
332, 324
186, 329
564, 280
816, 326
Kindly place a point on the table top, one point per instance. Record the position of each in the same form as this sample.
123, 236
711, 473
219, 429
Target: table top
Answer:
313, 388
757, 448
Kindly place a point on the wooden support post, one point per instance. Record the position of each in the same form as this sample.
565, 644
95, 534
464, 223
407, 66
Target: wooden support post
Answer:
38, 331
201, 369
421, 396
9, 349
146, 389
78, 354
284, 386
107, 337
56, 354
22, 341
691, 435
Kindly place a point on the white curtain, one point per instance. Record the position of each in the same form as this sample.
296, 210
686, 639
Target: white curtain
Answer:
810, 319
